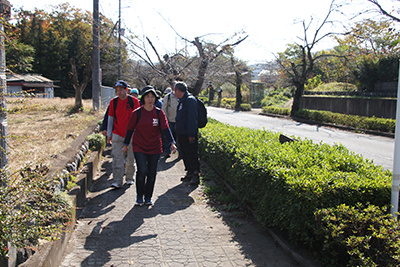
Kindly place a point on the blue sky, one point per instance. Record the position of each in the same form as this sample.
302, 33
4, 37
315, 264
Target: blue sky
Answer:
270, 24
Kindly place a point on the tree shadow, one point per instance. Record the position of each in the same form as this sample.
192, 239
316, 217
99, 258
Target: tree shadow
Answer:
123, 233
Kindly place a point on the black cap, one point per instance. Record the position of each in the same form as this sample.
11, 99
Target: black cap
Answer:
120, 83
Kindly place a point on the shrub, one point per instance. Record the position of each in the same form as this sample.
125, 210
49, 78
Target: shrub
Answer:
97, 141
286, 183
276, 110
228, 102
358, 236
204, 99
313, 83
30, 210
245, 107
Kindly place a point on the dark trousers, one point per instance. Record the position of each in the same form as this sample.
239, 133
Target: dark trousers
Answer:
146, 174
190, 153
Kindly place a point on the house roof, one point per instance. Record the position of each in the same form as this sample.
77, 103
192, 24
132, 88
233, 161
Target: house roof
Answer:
30, 80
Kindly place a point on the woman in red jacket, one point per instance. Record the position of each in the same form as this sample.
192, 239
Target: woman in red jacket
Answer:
147, 123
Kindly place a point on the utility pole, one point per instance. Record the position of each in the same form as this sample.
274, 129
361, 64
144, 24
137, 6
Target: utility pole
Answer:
119, 42
396, 166
5, 15
96, 57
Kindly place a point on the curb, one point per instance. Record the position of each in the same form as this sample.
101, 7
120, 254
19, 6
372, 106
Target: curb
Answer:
50, 254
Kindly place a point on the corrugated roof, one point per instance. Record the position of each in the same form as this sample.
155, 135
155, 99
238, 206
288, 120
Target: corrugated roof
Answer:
29, 78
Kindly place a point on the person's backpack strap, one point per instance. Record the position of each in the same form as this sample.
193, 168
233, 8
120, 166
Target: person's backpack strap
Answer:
139, 113
115, 108
130, 102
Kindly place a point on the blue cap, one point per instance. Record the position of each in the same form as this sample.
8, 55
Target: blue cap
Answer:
120, 83
134, 90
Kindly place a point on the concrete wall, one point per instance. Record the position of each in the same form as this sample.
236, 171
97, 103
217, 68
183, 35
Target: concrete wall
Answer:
380, 108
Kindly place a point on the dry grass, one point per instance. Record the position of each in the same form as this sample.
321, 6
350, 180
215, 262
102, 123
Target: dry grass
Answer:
39, 129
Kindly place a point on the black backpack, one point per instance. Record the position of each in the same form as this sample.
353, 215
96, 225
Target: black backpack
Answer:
202, 113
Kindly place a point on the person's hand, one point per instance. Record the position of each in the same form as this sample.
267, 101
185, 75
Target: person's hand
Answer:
109, 139
124, 149
173, 148
191, 139
104, 132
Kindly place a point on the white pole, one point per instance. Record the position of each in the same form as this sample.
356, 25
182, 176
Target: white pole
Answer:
396, 167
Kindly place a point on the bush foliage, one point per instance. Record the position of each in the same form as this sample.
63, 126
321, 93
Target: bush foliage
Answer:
97, 141
287, 183
30, 209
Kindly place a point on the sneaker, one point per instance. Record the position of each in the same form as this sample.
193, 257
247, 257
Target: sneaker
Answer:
115, 186
139, 201
148, 202
129, 182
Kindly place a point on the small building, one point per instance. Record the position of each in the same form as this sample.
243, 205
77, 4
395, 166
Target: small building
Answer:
33, 84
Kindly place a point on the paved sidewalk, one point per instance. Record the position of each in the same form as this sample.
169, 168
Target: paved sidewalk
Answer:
178, 230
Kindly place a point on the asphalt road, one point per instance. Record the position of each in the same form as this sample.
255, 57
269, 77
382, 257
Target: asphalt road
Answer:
376, 148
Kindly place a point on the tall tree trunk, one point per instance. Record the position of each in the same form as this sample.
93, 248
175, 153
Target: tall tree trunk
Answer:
79, 87
202, 68
296, 98
238, 90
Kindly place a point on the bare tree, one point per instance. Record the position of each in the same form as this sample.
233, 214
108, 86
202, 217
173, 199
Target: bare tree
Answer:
299, 67
173, 67
384, 11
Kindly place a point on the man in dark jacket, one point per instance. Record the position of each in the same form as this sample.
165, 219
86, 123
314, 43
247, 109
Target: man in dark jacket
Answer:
187, 131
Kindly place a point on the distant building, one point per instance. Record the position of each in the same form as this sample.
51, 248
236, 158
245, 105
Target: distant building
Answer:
34, 84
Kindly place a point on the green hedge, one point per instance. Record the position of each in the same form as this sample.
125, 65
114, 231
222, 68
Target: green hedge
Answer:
287, 183
276, 110
367, 123
245, 107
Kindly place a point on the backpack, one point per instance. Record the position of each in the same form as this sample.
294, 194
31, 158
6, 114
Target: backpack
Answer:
130, 102
202, 113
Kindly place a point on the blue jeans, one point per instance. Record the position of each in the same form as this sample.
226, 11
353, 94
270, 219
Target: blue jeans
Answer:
146, 174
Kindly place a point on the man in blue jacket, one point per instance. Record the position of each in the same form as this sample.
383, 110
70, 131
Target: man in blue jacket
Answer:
187, 131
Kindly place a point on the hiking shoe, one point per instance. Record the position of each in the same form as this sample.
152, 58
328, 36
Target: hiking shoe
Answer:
129, 182
115, 186
148, 202
139, 201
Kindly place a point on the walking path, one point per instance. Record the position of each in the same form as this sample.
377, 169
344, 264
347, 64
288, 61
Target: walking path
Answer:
180, 229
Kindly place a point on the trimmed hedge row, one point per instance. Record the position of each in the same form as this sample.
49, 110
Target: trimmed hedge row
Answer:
360, 122
288, 183
276, 110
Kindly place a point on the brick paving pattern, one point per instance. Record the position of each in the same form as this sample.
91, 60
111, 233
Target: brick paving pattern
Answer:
180, 229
